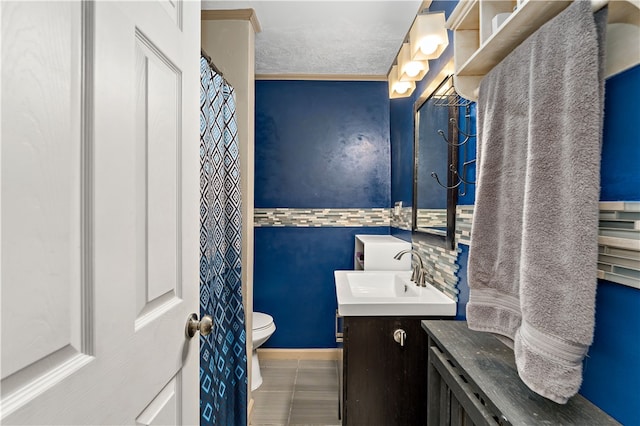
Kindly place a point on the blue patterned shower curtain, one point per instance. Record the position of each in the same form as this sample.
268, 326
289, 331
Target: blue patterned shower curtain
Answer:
223, 357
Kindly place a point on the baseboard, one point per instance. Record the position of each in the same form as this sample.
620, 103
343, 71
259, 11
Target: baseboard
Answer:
318, 354
250, 411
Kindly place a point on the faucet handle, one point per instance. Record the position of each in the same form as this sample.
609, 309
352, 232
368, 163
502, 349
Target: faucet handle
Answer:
422, 275
415, 274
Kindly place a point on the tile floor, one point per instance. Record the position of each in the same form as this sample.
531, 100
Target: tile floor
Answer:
297, 392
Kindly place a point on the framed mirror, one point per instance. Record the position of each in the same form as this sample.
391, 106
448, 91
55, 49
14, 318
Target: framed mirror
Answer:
435, 164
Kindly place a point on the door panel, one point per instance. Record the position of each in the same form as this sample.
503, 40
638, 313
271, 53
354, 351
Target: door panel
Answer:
174, 9
158, 141
99, 211
41, 175
165, 408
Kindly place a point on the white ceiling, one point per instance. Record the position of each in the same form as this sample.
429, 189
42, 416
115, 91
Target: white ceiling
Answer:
327, 37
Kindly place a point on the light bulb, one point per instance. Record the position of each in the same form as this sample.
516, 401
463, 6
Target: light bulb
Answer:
413, 68
429, 44
401, 87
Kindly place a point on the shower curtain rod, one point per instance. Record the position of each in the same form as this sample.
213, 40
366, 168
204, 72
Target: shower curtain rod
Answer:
210, 61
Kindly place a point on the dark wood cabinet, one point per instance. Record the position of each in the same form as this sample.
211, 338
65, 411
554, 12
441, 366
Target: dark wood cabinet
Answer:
473, 380
384, 383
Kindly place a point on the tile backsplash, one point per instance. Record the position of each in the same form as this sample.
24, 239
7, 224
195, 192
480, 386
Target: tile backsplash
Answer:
296, 217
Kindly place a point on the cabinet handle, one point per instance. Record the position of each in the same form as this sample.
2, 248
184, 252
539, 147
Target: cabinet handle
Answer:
399, 336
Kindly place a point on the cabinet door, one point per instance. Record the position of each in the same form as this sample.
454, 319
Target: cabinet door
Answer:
385, 383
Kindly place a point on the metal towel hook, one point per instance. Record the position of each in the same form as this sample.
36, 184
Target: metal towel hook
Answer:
462, 132
466, 163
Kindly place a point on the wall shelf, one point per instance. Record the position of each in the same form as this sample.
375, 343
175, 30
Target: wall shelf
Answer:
477, 48
375, 253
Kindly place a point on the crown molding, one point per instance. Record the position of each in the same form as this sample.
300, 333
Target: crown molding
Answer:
322, 77
232, 15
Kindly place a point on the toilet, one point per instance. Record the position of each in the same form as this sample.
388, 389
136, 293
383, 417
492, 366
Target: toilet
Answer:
263, 328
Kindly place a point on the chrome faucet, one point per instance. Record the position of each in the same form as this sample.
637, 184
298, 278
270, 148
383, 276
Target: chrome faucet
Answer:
419, 273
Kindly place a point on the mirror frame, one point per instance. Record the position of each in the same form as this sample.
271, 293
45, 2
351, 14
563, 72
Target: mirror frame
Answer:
448, 240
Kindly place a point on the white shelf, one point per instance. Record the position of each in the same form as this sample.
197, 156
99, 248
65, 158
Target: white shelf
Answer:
378, 252
477, 49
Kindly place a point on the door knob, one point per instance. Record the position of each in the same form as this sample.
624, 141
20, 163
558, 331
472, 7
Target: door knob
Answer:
204, 326
399, 336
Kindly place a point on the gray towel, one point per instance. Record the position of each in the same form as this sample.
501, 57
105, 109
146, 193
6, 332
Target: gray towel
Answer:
533, 256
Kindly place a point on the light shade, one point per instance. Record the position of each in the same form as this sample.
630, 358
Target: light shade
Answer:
409, 70
397, 88
428, 36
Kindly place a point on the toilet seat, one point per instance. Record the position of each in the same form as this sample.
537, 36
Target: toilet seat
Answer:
261, 321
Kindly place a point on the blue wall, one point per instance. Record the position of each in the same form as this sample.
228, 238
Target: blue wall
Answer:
322, 144
401, 119
318, 145
612, 366
620, 174
401, 136
293, 281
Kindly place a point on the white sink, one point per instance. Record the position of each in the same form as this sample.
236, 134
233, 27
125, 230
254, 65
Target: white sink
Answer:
381, 285
388, 293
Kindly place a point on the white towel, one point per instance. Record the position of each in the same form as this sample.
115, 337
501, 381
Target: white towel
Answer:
533, 257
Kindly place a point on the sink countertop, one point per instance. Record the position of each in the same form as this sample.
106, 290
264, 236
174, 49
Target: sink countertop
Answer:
388, 293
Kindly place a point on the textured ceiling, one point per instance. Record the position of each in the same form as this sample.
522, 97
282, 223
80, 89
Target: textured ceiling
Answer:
327, 37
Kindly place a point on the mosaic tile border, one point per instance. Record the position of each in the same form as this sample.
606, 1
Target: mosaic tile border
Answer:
403, 220
432, 218
314, 218
464, 218
618, 240
427, 217
619, 243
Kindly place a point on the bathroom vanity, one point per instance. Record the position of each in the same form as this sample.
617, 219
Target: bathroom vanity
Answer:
384, 355
384, 382
472, 380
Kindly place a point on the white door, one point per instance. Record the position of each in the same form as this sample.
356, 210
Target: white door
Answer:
99, 210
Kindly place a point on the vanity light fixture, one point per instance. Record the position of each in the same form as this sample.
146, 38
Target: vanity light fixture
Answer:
397, 88
409, 70
428, 36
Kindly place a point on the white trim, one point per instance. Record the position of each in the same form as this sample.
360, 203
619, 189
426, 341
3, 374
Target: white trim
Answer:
322, 77
329, 354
